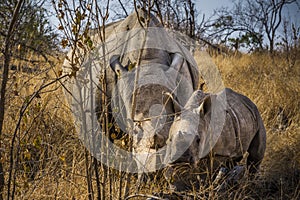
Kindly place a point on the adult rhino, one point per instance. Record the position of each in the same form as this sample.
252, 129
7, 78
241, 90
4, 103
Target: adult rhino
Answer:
219, 127
130, 73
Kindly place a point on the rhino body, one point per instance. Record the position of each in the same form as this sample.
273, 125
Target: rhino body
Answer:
224, 126
139, 63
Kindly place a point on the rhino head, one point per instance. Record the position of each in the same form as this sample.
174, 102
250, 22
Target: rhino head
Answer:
193, 132
141, 94
152, 65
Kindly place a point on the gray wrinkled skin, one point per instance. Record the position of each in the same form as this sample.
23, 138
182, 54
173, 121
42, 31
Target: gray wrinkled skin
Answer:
243, 130
163, 65
161, 72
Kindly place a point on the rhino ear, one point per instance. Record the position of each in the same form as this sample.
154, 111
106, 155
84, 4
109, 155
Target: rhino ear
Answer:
204, 107
116, 66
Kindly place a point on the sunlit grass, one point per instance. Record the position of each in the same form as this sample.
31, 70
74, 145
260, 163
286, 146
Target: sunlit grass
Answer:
52, 160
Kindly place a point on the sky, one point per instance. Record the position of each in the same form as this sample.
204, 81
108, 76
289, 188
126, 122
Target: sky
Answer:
202, 6
207, 6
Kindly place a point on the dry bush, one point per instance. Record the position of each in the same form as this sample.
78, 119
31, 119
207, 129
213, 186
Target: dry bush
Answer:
46, 154
51, 161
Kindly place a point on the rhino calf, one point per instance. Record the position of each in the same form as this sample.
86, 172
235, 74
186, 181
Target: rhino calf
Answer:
225, 125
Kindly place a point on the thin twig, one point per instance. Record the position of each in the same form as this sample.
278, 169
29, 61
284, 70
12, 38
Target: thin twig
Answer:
124, 9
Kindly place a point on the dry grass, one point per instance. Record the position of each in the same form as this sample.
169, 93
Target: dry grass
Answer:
51, 160
274, 86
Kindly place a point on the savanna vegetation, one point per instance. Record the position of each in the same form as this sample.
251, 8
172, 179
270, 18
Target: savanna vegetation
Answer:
41, 156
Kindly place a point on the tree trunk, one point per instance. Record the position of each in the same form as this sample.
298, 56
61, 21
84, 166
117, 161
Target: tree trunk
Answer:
6, 49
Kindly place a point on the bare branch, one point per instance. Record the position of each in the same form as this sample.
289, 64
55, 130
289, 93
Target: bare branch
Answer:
123, 7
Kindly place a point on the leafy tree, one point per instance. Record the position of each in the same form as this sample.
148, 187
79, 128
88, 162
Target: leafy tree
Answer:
251, 20
32, 31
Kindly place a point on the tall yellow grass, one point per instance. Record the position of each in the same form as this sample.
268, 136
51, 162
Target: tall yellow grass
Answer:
274, 86
51, 158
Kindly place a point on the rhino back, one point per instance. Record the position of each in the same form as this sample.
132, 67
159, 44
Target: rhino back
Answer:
241, 125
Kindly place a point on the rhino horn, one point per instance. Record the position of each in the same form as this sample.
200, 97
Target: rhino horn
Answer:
177, 62
116, 65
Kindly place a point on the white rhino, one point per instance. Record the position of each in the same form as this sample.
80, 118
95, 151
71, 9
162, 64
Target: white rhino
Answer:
140, 64
221, 126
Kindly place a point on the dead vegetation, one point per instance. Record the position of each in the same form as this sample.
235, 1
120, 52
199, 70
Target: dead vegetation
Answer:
49, 161
274, 86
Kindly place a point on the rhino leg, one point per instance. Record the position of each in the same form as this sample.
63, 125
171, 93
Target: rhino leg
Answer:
256, 150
